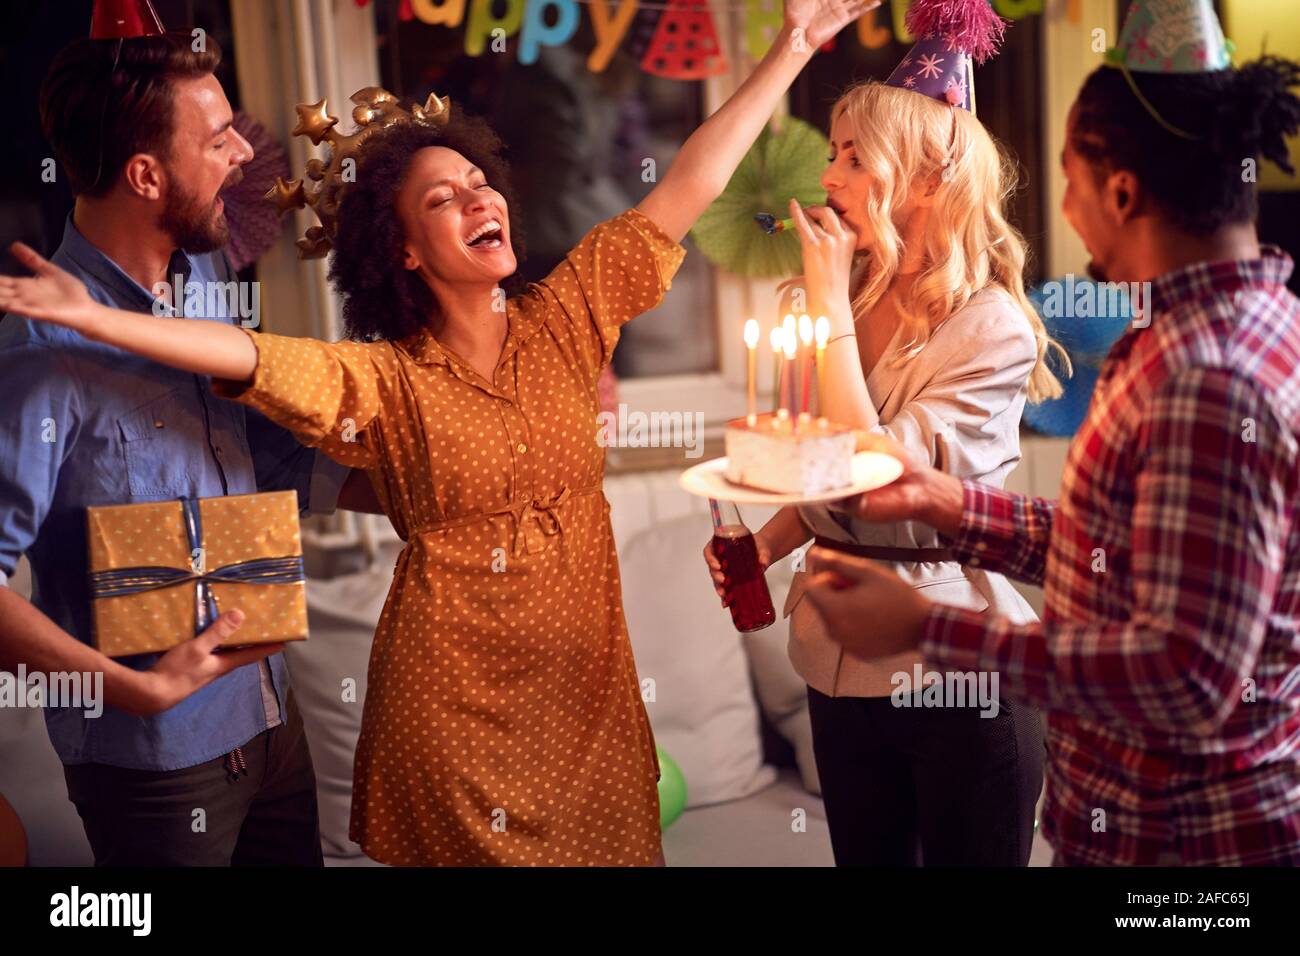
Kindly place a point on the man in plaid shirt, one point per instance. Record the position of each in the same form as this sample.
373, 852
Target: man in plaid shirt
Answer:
1168, 657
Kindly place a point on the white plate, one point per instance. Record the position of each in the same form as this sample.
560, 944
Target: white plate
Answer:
708, 479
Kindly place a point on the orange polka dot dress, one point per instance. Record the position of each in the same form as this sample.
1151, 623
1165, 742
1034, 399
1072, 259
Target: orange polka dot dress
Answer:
503, 722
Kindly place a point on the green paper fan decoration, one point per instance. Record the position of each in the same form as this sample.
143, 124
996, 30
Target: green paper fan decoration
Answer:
777, 167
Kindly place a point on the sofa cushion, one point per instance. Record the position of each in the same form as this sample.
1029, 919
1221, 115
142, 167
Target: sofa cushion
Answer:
31, 779
328, 674
692, 666
781, 692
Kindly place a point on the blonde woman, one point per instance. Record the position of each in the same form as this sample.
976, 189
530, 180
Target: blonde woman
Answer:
935, 345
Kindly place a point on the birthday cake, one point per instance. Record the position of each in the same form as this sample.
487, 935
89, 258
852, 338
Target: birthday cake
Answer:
774, 455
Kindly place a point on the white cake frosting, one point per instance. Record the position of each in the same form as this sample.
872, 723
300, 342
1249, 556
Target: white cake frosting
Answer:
774, 455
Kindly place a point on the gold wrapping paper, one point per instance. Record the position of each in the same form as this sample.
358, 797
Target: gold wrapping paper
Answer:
236, 528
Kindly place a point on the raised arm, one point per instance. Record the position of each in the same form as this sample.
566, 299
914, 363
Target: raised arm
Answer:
706, 161
52, 295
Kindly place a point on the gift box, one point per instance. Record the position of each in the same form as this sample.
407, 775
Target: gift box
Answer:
161, 572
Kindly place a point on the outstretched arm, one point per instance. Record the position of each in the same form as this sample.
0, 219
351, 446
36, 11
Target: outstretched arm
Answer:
53, 295
711, 154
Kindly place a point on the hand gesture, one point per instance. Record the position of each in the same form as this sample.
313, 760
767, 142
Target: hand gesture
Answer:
828, 248
197, 663
822, 19
50, 294
866, 607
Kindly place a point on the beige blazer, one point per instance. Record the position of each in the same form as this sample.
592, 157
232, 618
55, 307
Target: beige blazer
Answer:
957, 402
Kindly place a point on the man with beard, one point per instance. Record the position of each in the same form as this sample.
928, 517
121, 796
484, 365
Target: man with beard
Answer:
222, 775
1166, 659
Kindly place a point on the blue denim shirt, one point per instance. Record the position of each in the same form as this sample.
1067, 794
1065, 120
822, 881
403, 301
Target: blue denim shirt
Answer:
83, 423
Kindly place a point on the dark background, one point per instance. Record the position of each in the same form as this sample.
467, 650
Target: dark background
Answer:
415, 58
31, 34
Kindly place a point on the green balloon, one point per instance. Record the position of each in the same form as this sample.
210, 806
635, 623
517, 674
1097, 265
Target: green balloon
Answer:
672, 790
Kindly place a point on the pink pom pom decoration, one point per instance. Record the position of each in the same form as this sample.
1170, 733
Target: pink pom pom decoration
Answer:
969, 25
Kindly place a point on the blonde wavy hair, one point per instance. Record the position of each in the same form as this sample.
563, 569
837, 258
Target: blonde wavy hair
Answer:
901, 138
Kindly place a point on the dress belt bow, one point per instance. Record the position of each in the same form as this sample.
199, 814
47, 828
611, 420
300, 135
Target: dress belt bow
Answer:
536, 521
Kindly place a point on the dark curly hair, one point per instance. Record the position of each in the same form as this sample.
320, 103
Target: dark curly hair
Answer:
1236, 114
381, 299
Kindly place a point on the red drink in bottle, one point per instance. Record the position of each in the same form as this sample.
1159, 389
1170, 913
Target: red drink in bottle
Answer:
744, 584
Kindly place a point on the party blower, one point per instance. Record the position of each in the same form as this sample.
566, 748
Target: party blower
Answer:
771, 225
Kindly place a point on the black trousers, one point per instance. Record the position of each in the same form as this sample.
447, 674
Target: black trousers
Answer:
264, 815
939, 786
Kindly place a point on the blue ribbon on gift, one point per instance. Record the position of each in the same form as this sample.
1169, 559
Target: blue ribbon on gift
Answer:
118, 582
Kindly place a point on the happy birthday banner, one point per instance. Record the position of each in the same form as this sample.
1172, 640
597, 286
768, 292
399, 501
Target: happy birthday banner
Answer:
676, 39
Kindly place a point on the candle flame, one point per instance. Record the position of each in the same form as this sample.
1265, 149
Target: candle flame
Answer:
751, 333
790, 344
787, 325
774, 339
823, 331
805, 329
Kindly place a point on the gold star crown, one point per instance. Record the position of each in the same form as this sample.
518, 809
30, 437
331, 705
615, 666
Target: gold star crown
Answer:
375, 109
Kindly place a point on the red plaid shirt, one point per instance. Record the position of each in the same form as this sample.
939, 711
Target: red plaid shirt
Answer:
1168, 656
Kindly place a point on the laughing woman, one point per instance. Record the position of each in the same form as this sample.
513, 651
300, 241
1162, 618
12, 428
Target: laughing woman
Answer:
504, 722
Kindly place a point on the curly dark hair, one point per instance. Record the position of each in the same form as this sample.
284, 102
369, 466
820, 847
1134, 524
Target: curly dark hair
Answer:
1236, 114
381, 299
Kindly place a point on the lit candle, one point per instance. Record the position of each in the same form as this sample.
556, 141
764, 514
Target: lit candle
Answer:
823, 332
751, 349
805, 362
775, 341
789, 346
